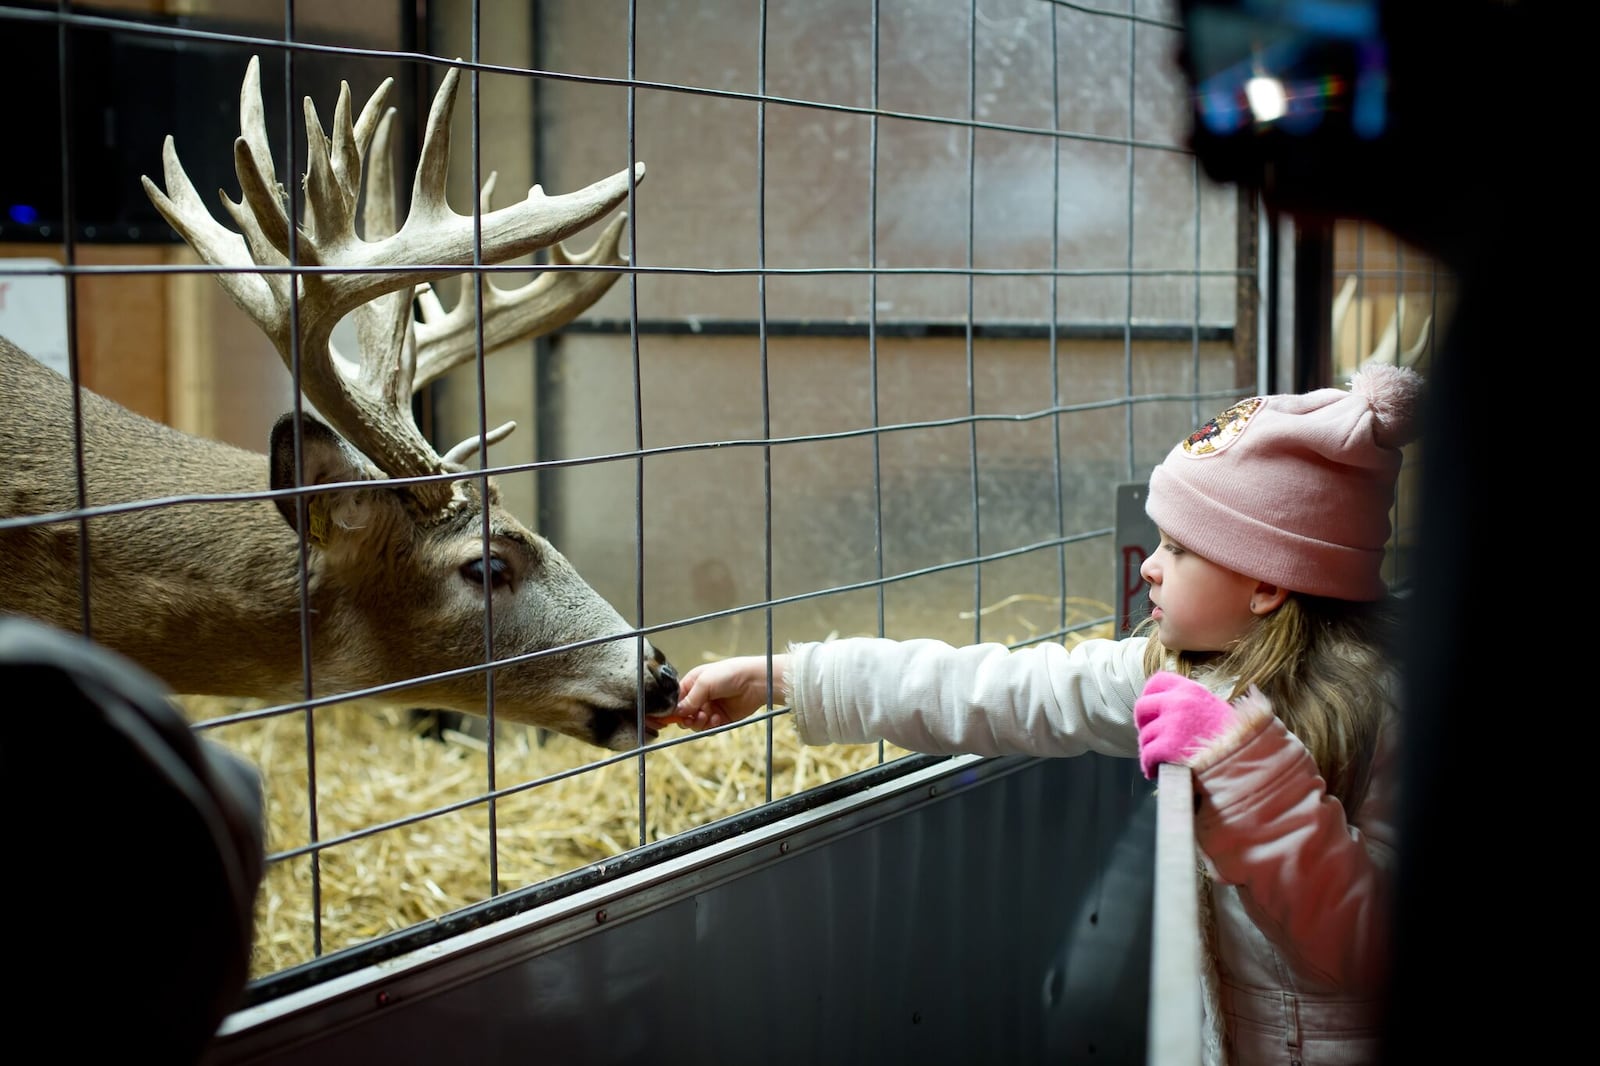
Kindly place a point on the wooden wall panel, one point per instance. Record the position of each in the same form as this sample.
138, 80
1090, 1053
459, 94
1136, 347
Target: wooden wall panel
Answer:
122, 328
121, 322
171, 346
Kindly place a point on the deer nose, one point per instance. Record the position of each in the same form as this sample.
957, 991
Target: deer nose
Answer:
665, 676
666, 682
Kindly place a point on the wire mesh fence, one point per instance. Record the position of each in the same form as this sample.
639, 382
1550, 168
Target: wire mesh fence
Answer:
903, 291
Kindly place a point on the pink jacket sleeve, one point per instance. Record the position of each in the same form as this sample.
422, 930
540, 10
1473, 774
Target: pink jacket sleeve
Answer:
1315, 882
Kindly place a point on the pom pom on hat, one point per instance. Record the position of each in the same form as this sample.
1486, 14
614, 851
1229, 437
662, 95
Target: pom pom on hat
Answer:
1394, 394
1295, 489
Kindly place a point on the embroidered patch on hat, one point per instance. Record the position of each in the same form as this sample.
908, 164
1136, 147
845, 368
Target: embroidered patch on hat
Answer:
1222, 430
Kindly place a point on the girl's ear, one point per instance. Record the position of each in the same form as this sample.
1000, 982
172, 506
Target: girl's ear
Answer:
1267, 598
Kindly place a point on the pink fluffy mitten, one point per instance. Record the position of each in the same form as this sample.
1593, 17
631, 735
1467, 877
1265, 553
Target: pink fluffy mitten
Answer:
1176, 717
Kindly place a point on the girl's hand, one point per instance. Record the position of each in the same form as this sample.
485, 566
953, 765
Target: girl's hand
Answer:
717, 693
1176, 718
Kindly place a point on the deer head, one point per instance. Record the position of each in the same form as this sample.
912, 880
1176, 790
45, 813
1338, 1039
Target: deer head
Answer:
402, 563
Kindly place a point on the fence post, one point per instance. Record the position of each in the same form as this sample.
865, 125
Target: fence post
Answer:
1175, 1004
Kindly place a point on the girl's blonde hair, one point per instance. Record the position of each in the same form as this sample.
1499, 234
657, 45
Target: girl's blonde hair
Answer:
1324, 664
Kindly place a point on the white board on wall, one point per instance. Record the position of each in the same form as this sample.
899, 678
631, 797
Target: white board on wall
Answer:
33, 309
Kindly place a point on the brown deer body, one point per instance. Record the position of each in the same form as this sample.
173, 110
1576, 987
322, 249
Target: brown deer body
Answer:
207, 594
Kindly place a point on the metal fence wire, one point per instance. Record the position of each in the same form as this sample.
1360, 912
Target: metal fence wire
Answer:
900, 291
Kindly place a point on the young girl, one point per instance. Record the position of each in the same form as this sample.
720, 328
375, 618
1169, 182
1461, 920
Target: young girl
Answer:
1262, 666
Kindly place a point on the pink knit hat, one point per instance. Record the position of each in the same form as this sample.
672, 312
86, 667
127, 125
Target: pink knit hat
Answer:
1294, 489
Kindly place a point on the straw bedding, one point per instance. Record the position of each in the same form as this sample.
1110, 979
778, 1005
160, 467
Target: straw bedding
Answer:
435, 851
373, 768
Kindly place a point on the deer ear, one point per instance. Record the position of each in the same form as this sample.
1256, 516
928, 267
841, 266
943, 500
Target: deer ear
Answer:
328, 459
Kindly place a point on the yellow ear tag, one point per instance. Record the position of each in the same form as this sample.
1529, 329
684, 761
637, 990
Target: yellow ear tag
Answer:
319, 522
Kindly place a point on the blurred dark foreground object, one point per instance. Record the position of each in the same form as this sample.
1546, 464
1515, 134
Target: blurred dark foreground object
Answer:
1424, 116
1468, 152
137, 851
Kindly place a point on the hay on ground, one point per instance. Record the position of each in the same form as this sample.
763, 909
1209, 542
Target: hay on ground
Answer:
376, 768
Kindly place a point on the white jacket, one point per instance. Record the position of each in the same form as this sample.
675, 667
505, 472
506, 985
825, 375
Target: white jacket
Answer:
1298, 898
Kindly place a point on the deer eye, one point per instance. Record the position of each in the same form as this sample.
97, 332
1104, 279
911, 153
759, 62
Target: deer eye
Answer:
498, 570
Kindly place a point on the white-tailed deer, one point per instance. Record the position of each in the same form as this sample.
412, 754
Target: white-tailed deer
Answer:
403, 581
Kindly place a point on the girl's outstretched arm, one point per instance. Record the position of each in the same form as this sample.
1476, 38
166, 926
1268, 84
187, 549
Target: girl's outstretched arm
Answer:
983, 699
715, 694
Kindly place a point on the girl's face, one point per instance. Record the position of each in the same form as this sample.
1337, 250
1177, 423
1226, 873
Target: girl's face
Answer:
1200, 605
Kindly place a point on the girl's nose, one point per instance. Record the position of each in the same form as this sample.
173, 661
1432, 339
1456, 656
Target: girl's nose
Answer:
1147, 569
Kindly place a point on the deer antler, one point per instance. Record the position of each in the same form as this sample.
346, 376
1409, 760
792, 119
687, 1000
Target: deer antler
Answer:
368, 401
550, 301
1388, 346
